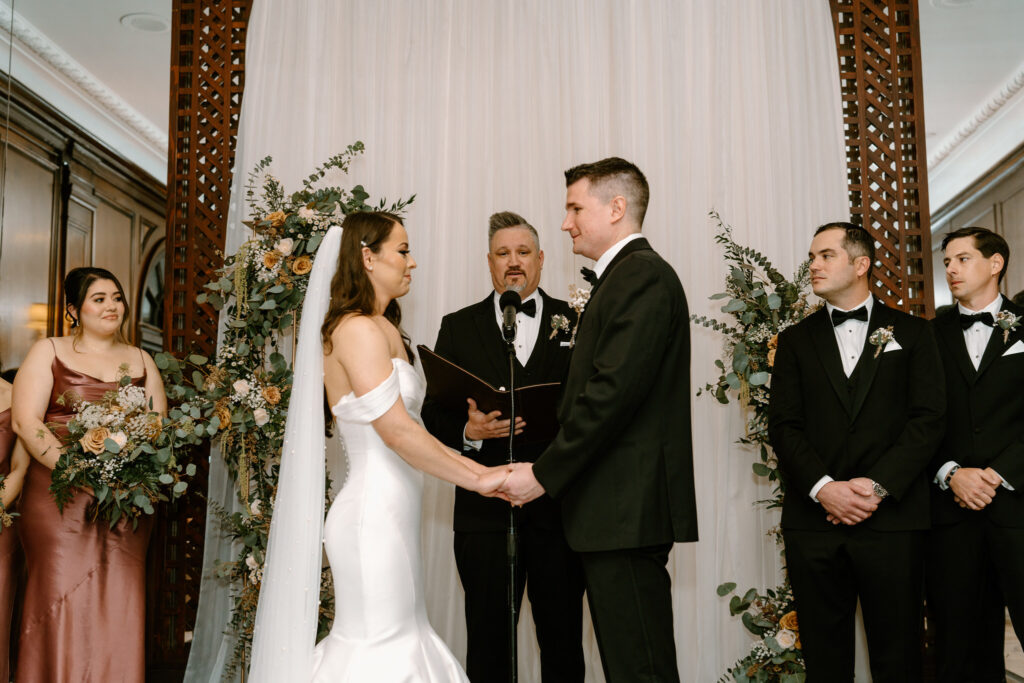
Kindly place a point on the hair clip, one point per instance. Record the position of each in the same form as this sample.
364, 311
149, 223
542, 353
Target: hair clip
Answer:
362, 243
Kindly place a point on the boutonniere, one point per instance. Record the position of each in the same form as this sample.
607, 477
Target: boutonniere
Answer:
1007, 322
578, 298
881, 337
559, 323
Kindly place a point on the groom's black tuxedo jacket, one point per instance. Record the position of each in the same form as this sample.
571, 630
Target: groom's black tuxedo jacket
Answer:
622, 463
884, 422
471, 338
985, 418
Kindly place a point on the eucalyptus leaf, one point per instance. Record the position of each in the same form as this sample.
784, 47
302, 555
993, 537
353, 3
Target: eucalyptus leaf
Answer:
759, 378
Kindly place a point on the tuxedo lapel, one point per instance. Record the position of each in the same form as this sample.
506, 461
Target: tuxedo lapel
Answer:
823, 337
996, 346
870, 356
953, 335
492, 345
629, 248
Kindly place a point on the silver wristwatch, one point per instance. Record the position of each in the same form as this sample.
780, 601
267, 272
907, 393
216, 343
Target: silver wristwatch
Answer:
878, 489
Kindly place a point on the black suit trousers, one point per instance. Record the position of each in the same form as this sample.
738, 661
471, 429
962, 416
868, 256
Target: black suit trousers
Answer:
974, 568
630, 596
829, 571
553, 579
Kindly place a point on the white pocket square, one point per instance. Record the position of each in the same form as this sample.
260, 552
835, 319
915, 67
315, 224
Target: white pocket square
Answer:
1018, 347
892, 346
568, 343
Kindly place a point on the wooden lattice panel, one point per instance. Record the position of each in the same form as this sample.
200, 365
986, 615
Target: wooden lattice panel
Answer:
879, 52
207, 72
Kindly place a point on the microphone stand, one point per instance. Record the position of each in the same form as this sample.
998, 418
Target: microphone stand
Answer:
512, 537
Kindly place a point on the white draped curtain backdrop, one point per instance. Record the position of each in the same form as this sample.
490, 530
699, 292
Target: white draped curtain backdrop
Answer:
478, 106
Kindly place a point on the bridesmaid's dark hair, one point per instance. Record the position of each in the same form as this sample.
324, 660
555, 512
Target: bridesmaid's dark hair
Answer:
76, 286
351, 289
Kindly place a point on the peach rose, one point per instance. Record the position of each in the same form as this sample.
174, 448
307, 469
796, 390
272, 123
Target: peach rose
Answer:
285, 245
260, 416
271, 259
276, 219
92, 440
785, 638
305, 213
789, 622
120, 438
302, 265
272, 395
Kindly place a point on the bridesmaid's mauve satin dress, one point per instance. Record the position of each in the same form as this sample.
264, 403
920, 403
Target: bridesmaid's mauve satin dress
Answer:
84, 617
8, 546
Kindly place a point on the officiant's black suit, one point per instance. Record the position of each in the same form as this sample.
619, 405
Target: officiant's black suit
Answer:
622, 463
972, 552
883, 422
471, 338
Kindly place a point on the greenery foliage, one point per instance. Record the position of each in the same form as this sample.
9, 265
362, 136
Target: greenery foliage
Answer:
761, 302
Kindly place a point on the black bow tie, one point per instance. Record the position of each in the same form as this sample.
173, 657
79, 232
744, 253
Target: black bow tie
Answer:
840, 317
589, 275
984, 318
530, 308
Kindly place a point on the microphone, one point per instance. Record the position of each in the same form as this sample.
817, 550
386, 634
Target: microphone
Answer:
510, 302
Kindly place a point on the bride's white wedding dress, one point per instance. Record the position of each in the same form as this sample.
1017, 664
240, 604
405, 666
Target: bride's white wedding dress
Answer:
372, 537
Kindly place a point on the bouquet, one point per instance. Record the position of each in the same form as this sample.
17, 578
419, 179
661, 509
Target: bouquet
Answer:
122, 450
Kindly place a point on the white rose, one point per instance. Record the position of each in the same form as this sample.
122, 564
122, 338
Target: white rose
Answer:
286, 244
306, 213
785, 638
255, 506
261, 416
241, 387
120, 438
250, 562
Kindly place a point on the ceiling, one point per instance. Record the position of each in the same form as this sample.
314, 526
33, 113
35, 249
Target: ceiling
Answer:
135, 64
970, 48
968, 51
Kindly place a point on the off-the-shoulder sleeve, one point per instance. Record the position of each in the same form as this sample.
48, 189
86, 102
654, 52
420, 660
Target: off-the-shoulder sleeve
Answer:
372, 404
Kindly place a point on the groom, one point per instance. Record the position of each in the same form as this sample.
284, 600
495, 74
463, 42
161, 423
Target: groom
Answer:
622, 463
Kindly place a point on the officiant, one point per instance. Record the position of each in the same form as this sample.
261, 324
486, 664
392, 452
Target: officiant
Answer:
548, 570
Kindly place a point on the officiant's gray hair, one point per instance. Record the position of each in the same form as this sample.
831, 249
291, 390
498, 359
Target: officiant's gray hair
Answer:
507, 219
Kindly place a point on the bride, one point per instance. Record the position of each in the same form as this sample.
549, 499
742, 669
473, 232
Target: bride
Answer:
372, 531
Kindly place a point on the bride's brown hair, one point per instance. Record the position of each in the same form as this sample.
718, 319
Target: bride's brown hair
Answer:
351, 289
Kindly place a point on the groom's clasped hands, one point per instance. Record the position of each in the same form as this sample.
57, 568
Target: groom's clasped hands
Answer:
516, 483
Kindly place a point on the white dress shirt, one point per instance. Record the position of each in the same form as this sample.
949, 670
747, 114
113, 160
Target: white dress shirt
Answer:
976, 337
612, 252
850, 336
527, 329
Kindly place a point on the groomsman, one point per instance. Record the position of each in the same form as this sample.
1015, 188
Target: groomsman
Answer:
550, 571
856, 412
976, 546
622, 463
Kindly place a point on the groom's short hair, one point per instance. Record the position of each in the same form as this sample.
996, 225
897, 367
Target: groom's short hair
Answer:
612, 177
857, 241
507, 219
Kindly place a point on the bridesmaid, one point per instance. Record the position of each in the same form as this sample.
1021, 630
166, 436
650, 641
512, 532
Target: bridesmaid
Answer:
13, 463
84, 612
